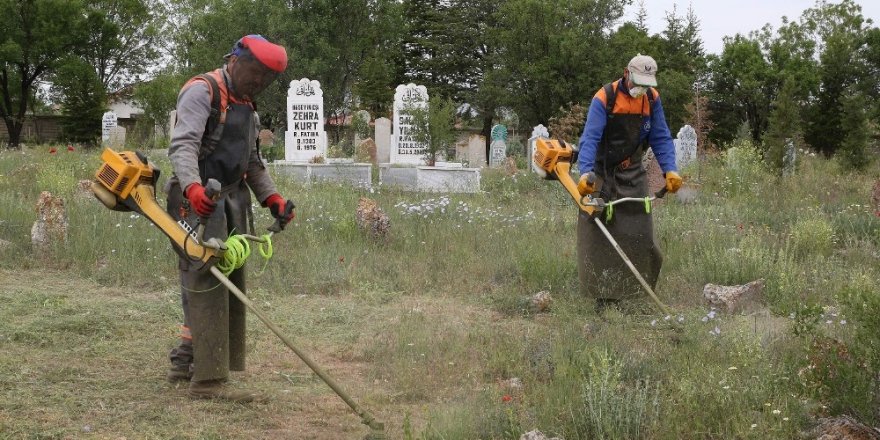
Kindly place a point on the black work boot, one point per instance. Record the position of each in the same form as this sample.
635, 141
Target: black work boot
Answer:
216, 389
179, 372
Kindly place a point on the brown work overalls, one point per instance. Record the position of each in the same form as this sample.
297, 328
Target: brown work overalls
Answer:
603, 274
214, 317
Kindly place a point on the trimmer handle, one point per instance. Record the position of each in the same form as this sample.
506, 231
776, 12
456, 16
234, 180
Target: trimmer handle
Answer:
212, 191
661, 193
279, 224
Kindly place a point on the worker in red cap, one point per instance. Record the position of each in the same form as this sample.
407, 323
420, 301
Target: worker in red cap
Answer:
215, 137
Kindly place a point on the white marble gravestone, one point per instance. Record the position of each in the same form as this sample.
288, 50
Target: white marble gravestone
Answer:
305, 137
539, 132
383, 140
109, 121
498, 147
685, 147
404, 149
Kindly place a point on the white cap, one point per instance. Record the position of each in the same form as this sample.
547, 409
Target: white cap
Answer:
643, 70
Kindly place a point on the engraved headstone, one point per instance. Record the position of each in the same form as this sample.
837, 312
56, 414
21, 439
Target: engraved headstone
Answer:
305, 137
108, 122
498, 147
685, 146
404, 148
539, 132
383, 140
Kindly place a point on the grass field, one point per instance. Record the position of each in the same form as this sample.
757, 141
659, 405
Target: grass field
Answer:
427, 330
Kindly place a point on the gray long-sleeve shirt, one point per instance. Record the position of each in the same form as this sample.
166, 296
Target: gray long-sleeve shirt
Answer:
193, 110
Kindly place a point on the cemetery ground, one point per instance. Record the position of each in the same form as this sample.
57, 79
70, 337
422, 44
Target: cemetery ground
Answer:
432, 330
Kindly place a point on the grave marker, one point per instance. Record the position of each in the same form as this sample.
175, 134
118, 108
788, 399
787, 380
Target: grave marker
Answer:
404, 148
305, 137
108, 122
498, 147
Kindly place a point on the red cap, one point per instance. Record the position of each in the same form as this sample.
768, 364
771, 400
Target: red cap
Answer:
271, 55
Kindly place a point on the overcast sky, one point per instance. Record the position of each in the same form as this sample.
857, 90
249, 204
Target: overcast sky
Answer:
719, 18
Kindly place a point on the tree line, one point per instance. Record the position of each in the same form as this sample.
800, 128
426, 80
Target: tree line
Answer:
814, 79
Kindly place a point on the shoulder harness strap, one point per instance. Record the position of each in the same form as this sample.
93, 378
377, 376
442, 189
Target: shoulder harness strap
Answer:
610, 97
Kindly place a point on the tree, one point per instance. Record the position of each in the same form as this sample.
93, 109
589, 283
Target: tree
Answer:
555, 52
81, 93
433, 126
739, 89
784, 125
451, 49
38, 36
123, 37
158, 97
840, 33
853, 150
699, 116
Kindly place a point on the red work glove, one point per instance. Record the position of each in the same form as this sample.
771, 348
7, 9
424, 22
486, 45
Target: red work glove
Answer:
200, 202
276, 205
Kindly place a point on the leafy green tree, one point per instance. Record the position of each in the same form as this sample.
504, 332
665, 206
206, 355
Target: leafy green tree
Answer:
840, 32
81, 93
739, 89
434, 127
158, 97
123, 37
38, 36
853, 150
784, 125
555, 52
451, 48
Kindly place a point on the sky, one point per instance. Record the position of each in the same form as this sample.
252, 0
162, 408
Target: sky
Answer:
719, 18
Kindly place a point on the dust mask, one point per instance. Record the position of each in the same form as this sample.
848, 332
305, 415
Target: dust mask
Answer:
637, 91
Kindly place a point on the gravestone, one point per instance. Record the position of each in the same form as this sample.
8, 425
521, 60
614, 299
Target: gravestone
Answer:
172, 121
267, 138
117, 137
656, 181
539, 132
108, 122
361, 120
305, 137
476, 151
383, 140
498, 147
365, 152
789, 161
404, 148
685, 146
51, 226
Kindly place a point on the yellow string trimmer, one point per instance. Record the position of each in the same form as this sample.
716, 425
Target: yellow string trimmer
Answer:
553, 158
127, 182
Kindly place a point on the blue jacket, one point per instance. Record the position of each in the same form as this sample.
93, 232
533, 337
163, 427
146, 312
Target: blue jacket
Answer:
654, 128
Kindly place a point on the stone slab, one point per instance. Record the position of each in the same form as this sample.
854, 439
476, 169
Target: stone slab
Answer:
354, 173
431, 179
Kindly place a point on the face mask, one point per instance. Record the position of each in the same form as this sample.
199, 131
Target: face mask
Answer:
637, 91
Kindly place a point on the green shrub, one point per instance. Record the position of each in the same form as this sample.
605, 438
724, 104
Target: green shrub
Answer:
812, 236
